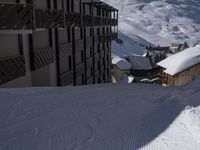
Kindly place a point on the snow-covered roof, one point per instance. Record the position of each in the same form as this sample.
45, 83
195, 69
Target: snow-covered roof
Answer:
120, 63
181, 61
140, 63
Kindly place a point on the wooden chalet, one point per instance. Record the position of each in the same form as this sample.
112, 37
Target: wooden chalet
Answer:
181, 68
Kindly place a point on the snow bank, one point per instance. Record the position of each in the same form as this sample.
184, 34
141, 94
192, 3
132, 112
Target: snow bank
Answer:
181, 61
192, 121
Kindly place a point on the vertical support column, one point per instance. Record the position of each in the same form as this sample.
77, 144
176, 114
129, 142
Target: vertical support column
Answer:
34, 17
117, 23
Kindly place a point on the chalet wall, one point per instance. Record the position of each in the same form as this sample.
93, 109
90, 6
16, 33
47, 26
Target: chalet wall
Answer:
183, 77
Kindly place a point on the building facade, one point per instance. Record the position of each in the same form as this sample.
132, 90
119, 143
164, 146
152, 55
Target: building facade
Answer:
56, 42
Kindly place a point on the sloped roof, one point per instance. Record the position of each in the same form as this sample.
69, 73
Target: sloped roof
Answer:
181, 61
141, 63
121, 63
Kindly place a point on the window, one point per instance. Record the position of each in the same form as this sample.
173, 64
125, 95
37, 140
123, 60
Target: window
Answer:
70, 62
91, 72
82, 56
83, 80
68, 6
68, 34
91, 52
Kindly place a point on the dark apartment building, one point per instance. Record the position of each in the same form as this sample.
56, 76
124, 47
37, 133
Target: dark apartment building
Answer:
56, 42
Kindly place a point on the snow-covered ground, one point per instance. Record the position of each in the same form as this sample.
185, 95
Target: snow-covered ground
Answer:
101, 117
160, 21
130, 46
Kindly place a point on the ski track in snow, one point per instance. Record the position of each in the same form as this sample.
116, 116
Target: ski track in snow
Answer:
124, 117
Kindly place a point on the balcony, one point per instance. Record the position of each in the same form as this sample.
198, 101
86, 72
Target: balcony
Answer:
105, 38
42, 57
49, 18
65, 49
12, 68
114, 36
16, 17
88, 42
80, 69
66, 78
79, 45
89, 62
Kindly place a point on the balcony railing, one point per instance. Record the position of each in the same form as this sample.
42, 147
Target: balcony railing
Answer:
25, 17
12, 68
65, 49
105, 38
66, 78
49, 18
16, 16
42, 57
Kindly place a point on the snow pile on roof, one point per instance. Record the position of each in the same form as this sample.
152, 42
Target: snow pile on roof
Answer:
103, 117
120, 63
141, 63
181, 61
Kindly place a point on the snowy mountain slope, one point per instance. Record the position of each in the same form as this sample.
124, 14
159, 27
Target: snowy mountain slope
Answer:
100, 117
160, 21
130, 46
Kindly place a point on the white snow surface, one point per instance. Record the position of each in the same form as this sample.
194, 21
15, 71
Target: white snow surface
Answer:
120, 63
130, 46
101, 117
181, 61
160, 21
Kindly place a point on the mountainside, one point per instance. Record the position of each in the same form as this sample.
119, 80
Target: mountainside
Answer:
160, 21
129, 46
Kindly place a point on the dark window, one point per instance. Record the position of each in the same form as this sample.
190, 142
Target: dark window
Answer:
98, 48
82, 56
99, 65
83, 81
68, 6
98, 31
72, 6
91, 32
70, 63
90, 51
68, 34
81, 34
103, 30
91, 72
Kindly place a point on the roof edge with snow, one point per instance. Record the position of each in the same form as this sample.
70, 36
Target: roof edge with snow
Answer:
181, 61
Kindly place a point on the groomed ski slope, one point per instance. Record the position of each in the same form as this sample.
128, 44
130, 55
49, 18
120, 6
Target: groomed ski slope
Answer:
101, 117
